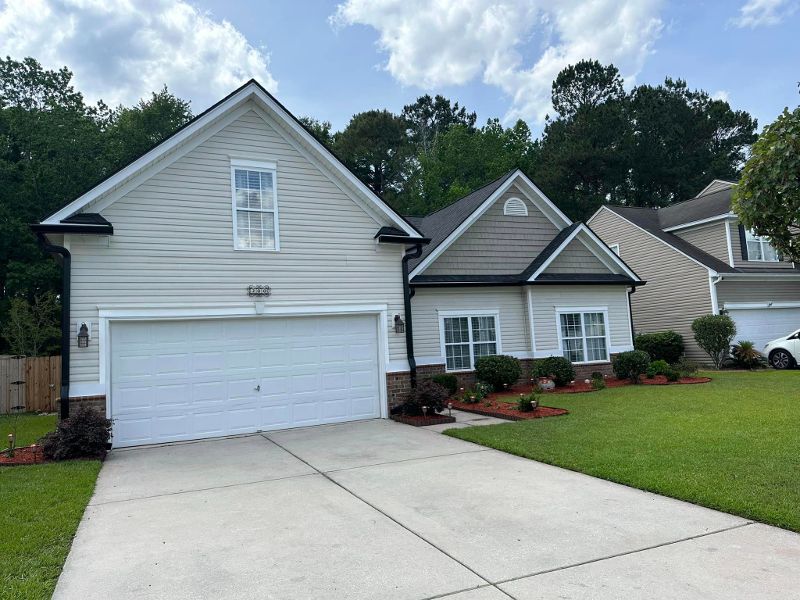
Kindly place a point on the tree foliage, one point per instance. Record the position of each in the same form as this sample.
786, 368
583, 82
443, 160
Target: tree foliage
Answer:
714, 334
32, 328
767, 198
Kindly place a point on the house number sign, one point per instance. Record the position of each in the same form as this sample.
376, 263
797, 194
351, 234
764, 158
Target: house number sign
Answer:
259, 290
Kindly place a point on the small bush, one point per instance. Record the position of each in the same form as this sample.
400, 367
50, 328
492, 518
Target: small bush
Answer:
527, 402
658, 367
598, 383
672, 374
83, 435
714, 334
686, 367
447, 381
498, 370
661, 345
631, 365
477, 393
427, 393
597, 375
745, 356
558, 368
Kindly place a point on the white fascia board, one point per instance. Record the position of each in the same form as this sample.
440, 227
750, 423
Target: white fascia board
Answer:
608, 252
760, 276
549, 210
555, 254
727, 215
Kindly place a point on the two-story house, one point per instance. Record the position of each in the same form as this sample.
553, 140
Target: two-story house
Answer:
239, 278
698, 259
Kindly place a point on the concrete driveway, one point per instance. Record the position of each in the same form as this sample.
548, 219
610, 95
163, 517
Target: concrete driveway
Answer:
377, 510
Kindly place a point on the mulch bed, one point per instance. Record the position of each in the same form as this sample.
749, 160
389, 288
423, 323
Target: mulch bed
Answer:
612, 382
423, 421
490, 407
23, 456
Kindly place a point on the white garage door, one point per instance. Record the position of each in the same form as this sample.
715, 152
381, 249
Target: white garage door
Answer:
183, 380
762, 325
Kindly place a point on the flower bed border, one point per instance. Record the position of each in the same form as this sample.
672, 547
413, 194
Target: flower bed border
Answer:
422, 421
25, 452
540, 412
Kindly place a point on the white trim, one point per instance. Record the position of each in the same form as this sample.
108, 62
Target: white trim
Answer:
667, 244
617, 251
518, 208
582, 310
260, 167
761, 276
531, 327
713, 181
630, 316
86, 389
468, 314
761, 240
251, 90
728, 242
760, 305
724, 216
559, 221
712, 288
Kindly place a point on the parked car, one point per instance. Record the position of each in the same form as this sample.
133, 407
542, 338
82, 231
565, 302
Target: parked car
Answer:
784, 351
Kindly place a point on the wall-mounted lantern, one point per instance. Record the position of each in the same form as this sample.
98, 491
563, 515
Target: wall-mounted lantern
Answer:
83, 335
399, 324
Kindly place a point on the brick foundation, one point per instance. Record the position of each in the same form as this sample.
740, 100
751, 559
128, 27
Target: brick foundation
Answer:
98, 403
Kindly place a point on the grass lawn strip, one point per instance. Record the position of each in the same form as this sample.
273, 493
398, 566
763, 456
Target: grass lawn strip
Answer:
732, 444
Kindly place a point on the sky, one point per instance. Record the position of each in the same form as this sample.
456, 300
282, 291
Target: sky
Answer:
332, 59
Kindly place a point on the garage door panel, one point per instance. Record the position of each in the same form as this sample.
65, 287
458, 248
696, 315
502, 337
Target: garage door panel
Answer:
762, 325
174, 380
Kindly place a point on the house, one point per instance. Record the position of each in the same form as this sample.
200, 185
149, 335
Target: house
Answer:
698, 259
237, 278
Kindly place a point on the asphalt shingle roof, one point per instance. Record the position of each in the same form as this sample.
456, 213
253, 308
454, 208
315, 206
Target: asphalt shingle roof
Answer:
696, 209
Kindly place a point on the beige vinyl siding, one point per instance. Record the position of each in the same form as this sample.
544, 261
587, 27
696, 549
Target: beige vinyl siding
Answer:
173, 241
709, 238
740, 262
757, 291
496, 243
677, 289
547, 299
508, 301
576, 258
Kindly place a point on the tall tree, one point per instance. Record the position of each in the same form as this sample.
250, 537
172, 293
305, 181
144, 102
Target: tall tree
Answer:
585, 85
430, 117
322, 130
375, 147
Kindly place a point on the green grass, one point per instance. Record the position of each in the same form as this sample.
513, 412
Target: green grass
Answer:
40, 508
732, 444
30, 427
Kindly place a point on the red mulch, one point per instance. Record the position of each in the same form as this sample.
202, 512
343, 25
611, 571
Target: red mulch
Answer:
22, 456
421, 420
580, 386
506, 410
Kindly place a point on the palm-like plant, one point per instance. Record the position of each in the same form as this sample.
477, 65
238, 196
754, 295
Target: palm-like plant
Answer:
745, 354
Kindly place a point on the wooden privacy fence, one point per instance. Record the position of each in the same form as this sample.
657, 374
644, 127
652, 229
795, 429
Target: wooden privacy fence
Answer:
32, 382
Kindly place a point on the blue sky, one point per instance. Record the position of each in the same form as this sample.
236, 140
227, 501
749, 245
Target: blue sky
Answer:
333, 59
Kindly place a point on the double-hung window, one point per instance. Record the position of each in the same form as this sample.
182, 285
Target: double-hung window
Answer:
759, 248
255, 206
583, 336
467, 338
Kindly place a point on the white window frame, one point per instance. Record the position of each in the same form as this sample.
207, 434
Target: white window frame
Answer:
750, 236
583, 310
468, 314
265, 167
614, 248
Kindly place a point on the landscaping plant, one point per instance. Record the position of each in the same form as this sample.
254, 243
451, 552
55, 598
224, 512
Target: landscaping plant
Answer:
447, 381
746, 356
686, 367
598, 383
630, 365
558, 368
714, 334
527, 402
477, 393
83, 435
660, 345
426, 393
498, 371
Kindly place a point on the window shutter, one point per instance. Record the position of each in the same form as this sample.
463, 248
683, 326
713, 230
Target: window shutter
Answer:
743, 242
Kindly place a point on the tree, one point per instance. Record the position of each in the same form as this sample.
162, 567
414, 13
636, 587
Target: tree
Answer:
32, 328
319, 129
375, 147
714, 334
767, 198
585, 85
428, 118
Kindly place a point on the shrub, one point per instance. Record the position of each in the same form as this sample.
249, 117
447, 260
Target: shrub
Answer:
558, 368
477, 393
672, 374
597, 375
658, 367
598, 383
447, 381
527, 402
661, 345
83, 435
427, 393
746, 356
631, 365
498, 370
714, 334
686, 367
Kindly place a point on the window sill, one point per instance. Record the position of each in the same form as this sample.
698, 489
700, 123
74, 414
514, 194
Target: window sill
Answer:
275, 250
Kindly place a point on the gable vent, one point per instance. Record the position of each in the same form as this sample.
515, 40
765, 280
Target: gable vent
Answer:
515, 207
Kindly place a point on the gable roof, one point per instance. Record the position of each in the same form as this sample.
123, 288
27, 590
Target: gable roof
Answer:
709, 205
715, 186
648, 219
446, 225
252, 90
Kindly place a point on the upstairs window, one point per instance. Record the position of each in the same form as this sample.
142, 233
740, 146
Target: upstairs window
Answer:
759, 248
255, 206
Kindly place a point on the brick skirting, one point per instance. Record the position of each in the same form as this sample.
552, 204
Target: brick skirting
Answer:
98, 403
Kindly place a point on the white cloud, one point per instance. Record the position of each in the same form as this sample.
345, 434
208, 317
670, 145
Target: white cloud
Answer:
122, 50
758, 13
721, 95
451, 42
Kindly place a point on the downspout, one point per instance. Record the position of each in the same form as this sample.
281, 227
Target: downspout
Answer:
65, 301
408, 293
631, 292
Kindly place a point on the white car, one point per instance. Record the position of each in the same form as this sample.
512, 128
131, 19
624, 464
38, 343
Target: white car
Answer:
784, 352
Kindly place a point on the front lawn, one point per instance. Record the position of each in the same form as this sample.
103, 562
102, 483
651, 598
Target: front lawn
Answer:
30, 427
40, 508
732, 444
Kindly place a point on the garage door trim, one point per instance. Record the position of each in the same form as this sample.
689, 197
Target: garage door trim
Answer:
109, 314
759, 305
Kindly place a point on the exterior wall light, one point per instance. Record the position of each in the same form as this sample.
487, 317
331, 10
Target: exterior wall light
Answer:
399, 324
83, 336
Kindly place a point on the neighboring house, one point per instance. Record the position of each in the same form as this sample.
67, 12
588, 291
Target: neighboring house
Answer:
698, 259
239, 278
